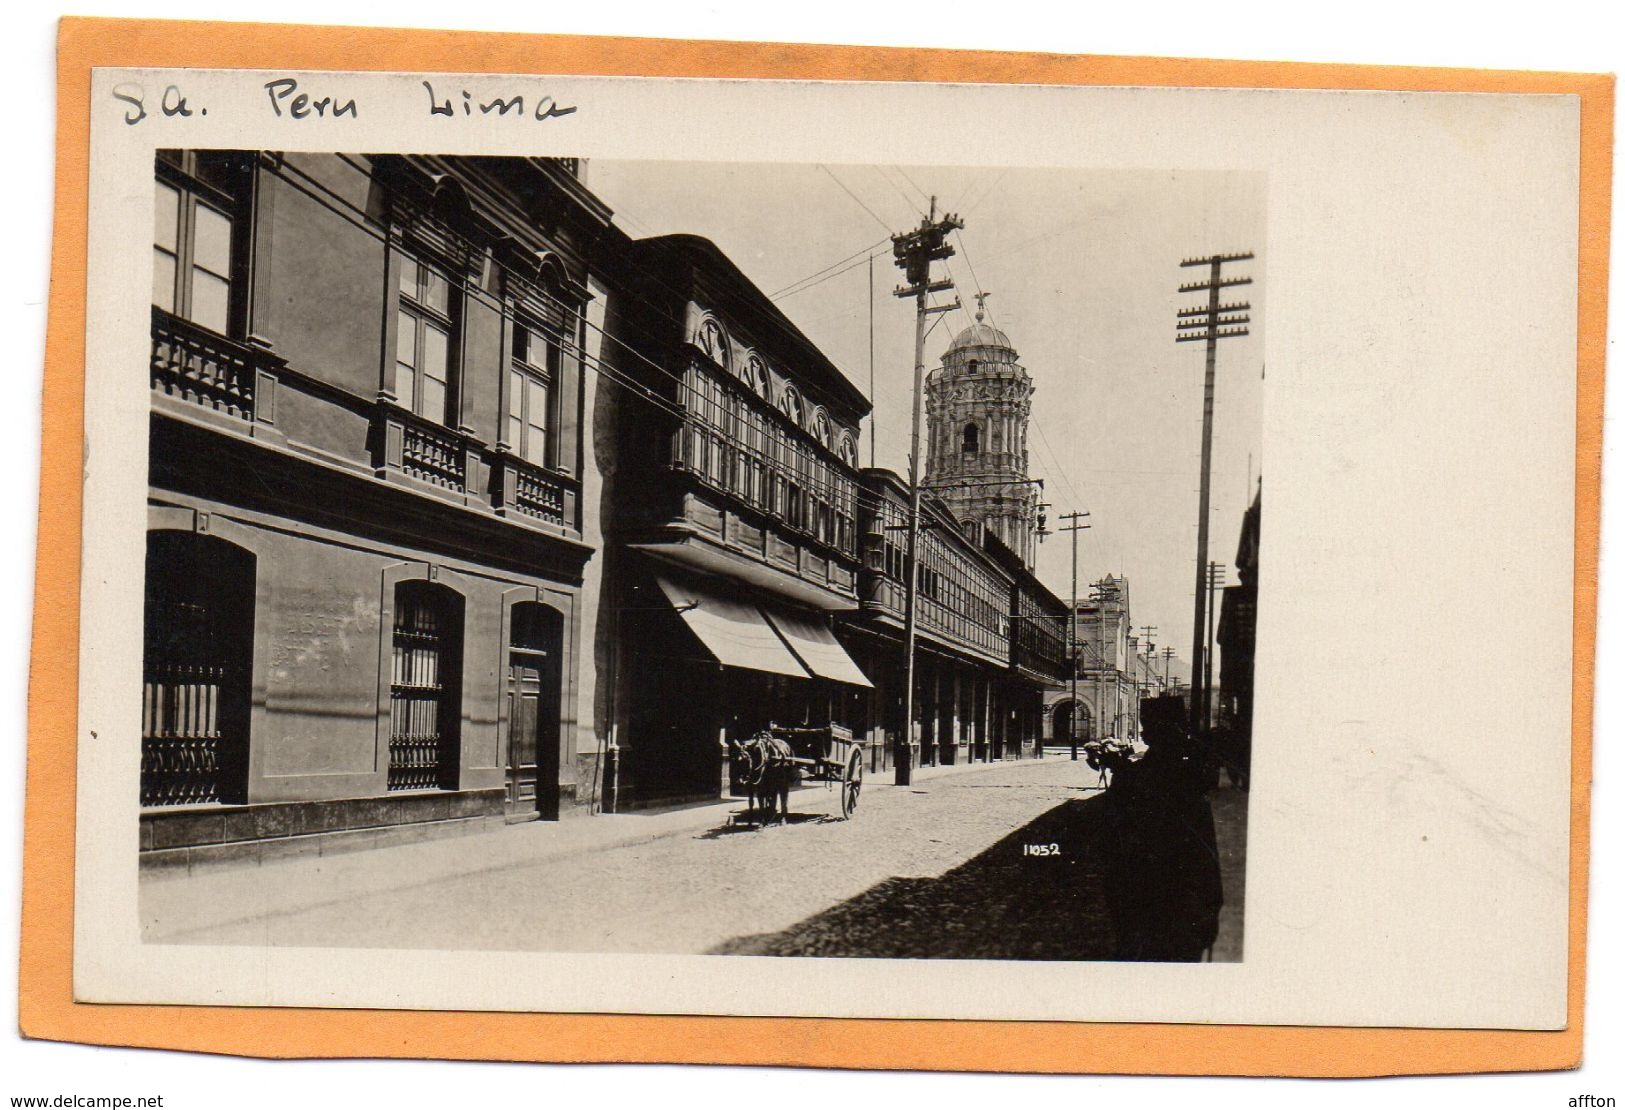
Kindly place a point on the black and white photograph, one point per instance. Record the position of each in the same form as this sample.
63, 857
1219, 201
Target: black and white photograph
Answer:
747, 571
547, 553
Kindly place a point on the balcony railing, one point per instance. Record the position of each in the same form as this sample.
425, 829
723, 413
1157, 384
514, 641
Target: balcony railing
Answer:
202, 368
198, 367
433, 454
529, 490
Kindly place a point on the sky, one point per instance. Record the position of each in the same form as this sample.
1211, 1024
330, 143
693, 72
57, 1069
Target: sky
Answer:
1082, 271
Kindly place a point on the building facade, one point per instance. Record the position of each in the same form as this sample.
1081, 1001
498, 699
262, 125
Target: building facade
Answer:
367, 549
728, 447
466, 509
978, 678
1111, 675
1238, 638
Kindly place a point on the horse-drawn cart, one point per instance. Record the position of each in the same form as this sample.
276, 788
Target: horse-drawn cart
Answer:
772, 760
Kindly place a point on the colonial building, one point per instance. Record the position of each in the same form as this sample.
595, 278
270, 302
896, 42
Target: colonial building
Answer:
1237, 636
979, 671
978, 403
728, 447
368, 547
1111, 676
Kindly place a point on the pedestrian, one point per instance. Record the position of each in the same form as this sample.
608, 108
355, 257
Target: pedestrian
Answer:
1162, 868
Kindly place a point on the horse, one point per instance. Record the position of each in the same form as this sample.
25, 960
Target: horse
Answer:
765, 767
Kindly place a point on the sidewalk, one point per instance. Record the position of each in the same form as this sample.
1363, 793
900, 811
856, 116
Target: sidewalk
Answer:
220, 895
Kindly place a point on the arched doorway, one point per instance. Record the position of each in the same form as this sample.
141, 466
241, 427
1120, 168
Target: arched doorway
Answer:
197, 663
1063, 721
535, 671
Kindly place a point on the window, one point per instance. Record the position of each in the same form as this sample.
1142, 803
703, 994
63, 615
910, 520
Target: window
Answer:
531, 395
196, 199
822, 431
714, 342
425, 687
197, 663
971, 441
423, 340
790, 405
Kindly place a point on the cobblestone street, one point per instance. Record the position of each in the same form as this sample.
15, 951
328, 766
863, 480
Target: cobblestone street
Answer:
941, 868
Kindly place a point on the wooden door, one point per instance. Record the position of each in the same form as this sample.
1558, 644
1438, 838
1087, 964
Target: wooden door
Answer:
534, 670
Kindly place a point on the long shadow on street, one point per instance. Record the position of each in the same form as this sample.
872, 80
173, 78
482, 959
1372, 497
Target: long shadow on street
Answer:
1038, 894
1063, 887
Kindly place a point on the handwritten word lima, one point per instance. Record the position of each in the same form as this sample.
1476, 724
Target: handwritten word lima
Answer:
288, 100
285, 92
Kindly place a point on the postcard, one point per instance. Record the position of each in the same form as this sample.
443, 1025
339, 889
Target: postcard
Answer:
784, 548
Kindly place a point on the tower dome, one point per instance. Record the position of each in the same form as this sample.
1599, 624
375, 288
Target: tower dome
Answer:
978, 404
982, 335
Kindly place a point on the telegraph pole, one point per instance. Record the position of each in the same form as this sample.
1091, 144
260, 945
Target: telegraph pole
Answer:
1208, 323
1215, 579
1147, 631
914, 251
1075, 524
1167, 667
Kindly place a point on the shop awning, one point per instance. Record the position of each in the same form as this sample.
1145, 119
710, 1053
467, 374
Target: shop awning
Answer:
817, 648
734, 632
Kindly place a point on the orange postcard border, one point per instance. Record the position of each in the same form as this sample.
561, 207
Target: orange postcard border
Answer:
46, 1007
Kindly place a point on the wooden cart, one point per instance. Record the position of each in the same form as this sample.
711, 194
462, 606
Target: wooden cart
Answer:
773, 760
828, 754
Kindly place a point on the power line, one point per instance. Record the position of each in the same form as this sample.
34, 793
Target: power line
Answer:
784, 296
906, 199
911, 182
856, 199
817, 273
987, 192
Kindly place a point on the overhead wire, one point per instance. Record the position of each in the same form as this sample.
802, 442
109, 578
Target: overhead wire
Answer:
855, 197
864, 251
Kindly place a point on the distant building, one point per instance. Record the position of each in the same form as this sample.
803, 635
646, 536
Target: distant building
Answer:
988, 641
1237, 637
1111, 677
978, 404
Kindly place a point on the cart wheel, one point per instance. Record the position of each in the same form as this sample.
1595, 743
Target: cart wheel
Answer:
851, 785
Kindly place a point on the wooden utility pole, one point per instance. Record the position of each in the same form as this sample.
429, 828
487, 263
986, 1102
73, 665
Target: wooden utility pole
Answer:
874, 424
1075, 524
914, 251
1208, 323
1215, 579
1147, 631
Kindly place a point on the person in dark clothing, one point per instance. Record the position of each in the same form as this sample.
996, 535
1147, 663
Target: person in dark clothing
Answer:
1162, 867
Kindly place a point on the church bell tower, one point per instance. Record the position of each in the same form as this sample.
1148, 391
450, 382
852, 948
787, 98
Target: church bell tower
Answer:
978, 403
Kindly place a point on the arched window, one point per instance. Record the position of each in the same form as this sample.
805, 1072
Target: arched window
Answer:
821, 429
790, 405
714, 342
425, 687
197, 662
971, 440
756, 374
847, 451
